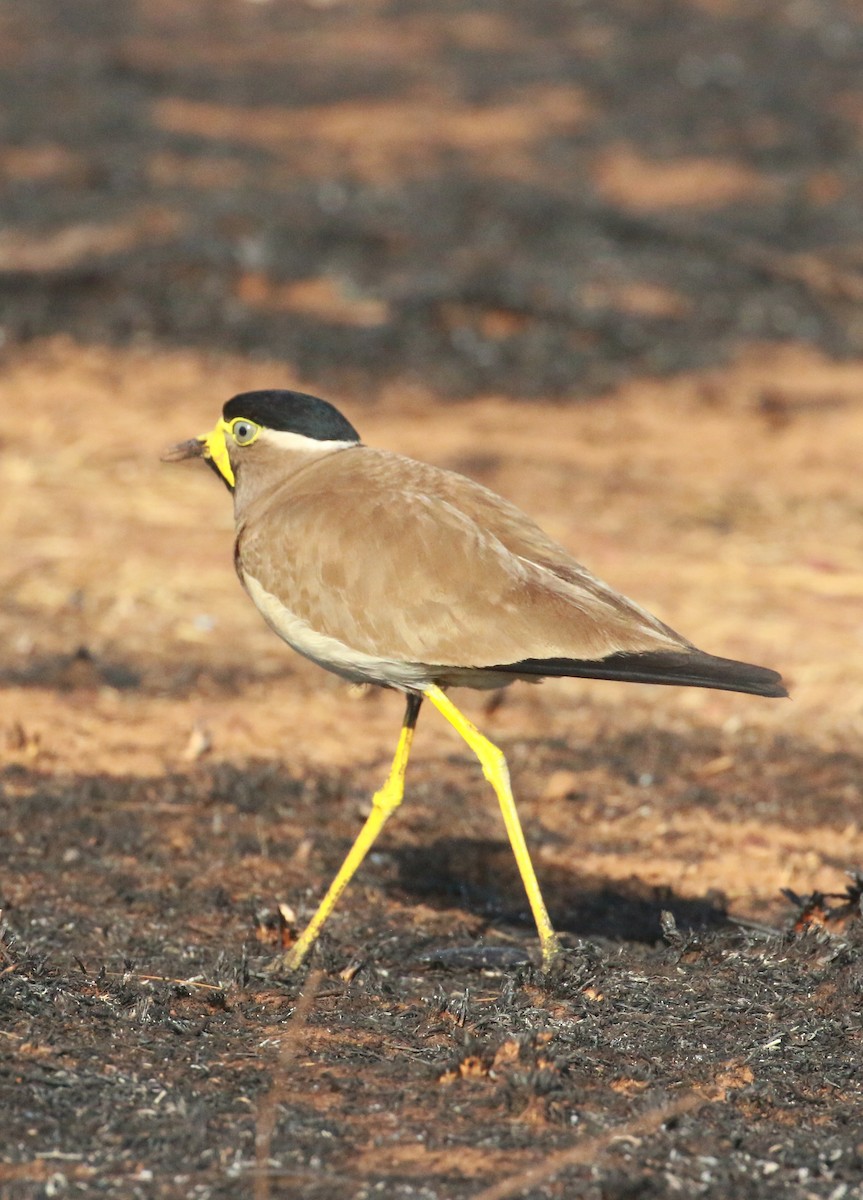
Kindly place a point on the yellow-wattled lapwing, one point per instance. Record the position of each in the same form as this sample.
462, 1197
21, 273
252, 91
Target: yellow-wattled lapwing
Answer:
389, 571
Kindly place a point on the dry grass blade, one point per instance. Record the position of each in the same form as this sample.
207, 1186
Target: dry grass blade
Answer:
588, 1150
269, 1105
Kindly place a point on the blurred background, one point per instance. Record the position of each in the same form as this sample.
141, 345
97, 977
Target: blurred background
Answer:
537, 200
604, 256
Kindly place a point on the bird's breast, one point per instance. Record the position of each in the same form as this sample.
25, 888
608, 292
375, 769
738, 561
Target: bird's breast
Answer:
329, 652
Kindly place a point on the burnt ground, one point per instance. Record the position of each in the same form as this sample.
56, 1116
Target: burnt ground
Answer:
603, 257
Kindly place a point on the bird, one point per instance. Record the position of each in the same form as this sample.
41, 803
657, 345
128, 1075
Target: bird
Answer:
390, 571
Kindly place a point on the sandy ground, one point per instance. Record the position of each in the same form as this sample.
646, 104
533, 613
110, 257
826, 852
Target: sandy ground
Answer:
733, 518
172, 773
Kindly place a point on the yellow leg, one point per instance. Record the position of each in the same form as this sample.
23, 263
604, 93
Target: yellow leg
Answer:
496, 772
384, 802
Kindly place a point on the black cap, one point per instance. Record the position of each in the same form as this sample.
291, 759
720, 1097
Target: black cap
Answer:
292, 412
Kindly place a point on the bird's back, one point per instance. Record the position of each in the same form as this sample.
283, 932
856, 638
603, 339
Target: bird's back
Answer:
398, 558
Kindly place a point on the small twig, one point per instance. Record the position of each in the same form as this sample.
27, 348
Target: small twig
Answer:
269, 1106
189, 983
588, 1150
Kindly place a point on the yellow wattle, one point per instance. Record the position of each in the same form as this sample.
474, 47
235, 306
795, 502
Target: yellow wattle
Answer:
216, 449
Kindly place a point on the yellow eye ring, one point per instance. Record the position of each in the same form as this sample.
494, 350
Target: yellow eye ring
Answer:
243, 431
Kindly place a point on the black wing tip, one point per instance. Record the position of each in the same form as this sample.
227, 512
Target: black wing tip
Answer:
684, 668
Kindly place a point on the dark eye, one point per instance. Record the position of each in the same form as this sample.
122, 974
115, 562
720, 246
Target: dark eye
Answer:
244, 432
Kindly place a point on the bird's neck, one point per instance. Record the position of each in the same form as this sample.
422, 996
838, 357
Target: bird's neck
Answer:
255, 483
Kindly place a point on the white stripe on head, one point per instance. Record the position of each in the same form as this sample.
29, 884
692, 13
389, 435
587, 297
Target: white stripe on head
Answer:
283, 439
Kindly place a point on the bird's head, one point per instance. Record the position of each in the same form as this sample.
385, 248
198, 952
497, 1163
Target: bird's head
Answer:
255, 425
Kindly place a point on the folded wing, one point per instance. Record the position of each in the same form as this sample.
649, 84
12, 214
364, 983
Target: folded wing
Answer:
401, 560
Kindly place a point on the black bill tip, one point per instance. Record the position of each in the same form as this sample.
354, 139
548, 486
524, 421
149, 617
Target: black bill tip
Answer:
193, 448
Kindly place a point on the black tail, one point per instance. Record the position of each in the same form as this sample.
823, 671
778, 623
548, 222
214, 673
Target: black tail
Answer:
689, 668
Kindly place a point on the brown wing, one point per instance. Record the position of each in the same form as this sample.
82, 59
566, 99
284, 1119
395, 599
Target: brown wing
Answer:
398, 559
